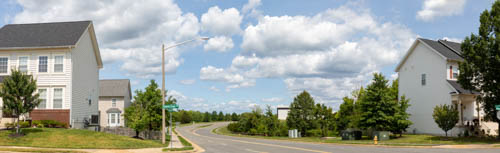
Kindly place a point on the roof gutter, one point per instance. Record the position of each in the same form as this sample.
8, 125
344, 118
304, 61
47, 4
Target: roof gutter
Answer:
42, 47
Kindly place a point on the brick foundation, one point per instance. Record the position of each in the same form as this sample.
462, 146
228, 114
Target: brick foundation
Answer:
61, 115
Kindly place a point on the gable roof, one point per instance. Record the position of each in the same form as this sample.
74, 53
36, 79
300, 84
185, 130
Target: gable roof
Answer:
446, 49
460, 89
115, 88
55, 34
48, 35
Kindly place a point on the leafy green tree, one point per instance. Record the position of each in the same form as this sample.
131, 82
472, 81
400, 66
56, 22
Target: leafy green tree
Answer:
480, 68
206, 117
186, 117
446, 117
150, 101
377, 105
301, 115
214, 116
324, 118
18, 95
220, 116
234, 117
134, 118
401, 118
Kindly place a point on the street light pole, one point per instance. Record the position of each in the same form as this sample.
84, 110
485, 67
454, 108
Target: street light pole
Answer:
163, 49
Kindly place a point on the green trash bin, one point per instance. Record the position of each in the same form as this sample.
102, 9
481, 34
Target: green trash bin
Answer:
382, 135
351, 134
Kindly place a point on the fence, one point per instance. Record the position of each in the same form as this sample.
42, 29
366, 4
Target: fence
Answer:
150, 135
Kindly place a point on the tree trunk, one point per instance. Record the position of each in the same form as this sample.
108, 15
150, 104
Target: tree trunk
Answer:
17, 127
446, 133
136, 133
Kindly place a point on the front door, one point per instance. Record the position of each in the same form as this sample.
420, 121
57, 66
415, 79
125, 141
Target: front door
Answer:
114, 119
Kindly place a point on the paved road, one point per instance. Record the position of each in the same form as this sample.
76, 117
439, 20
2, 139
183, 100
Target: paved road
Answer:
214, 143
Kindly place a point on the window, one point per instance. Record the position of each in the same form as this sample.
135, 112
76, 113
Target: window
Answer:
42, 63
58, 63
455, 73
423, 80
113, 102
4, 64
114, 119
57, 101
23, 64
43, 98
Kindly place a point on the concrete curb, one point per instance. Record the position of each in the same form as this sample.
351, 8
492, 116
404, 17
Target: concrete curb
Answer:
196, 148
472, 146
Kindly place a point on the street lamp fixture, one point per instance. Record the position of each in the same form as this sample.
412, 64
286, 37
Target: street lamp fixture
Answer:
163, 49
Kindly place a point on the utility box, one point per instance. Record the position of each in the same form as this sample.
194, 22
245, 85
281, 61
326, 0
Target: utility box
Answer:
351, 134
382, 135
293, 133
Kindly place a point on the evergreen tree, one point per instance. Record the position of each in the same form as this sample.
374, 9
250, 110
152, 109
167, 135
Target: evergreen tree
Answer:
377, 105
401, 119
18, 94
480, 68
206, 117
221, 116
234, 117
301, 115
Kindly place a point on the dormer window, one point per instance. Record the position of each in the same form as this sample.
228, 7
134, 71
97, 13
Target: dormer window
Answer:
453, 72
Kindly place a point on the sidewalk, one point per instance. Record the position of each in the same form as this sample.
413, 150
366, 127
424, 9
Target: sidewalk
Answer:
175, 142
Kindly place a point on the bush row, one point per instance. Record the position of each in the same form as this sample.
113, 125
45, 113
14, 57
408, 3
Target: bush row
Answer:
38, 123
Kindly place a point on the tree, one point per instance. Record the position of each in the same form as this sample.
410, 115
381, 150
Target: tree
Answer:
324, 116
18, 94
377, 105
206, 117
134, 118
348, 115
481, 53
151, 105
214, 116
446, 117
221, 116
186, 117
301, 115
401, 119
234, 117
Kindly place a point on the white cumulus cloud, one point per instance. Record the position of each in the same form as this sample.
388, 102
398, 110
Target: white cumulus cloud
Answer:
432, 9
221, 22
219, 44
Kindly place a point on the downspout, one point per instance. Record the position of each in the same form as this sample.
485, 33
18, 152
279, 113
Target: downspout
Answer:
71, 121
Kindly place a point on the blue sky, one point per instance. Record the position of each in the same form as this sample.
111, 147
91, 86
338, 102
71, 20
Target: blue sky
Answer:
260, 52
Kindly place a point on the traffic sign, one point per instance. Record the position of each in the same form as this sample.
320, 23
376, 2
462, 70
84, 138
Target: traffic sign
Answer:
170, 106
497, 107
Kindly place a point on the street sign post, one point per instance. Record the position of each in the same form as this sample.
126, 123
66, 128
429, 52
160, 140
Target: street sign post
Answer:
170, 106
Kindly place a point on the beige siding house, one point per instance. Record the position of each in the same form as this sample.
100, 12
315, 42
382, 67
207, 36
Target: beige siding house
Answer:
114, 97
64, 58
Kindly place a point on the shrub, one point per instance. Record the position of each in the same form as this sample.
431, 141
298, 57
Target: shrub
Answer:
314, 132
49, 124
233, 127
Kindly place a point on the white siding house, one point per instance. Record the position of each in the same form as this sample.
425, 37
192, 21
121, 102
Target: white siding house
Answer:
428, 77
114, 97
64, 58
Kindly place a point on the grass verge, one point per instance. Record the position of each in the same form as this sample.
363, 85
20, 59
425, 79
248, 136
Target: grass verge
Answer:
185, 143
203, 126
405, 140
73, 138
38, 150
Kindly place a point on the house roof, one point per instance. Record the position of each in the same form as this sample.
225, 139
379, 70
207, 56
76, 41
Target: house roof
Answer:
446, 49
55, 34
460, 89
114, 88
47, 35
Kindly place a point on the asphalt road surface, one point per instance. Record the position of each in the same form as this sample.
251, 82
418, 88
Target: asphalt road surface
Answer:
214, 143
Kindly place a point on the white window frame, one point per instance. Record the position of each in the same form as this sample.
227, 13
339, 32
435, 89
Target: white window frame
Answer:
117, 119
113, 102
27, 63
54, 63
38, 64
46, 97
62, 97
8, 64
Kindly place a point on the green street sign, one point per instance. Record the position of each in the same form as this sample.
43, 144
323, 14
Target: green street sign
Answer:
497, 107
170, 106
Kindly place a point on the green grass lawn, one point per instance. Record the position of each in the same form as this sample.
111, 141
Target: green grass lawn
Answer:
73, 138
38, 150
405, 140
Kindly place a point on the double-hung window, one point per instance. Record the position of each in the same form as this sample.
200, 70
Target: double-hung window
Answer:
43, 63
113, 102
4, 65
58, 98
424, 81
43, 98
58, 63
23, 64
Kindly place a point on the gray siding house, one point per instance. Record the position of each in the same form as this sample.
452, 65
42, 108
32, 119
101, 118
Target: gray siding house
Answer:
65, 60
